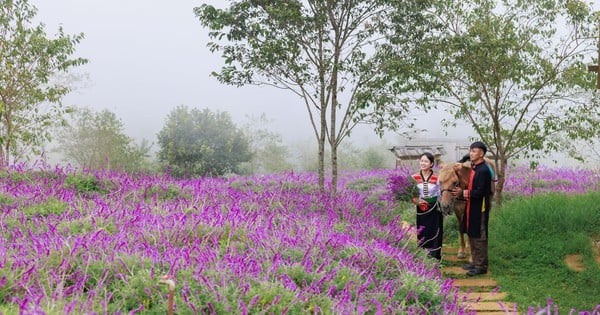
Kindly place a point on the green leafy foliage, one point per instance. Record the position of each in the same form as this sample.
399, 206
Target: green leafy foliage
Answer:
132, 290
29, 63
97, 140
50, 206
201, 143
6, 200
337, 56
164, 193
373, 159
84, 183
514, 71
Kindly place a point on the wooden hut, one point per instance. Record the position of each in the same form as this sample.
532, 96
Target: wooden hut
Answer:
409, 154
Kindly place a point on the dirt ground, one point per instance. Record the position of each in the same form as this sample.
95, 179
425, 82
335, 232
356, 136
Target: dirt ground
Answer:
574, 261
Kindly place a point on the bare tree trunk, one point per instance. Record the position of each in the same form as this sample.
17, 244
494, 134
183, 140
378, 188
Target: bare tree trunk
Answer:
6, 153
322, 147
2, 157
322, 112
333, 143
501, 179
334, 167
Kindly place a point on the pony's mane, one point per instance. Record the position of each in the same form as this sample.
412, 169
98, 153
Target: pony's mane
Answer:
460, 170
447, 171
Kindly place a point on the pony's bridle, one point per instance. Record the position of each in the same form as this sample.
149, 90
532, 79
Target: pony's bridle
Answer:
448, 209
449, 189
457, 184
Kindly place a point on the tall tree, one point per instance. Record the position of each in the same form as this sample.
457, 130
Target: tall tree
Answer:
97, 140
30, 100
197, 142
335, 55
515, 70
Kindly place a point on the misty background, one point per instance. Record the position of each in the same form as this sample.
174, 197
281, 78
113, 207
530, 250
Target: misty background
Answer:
148, 57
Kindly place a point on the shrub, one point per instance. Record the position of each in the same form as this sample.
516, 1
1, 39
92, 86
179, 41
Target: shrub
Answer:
50, 206
83, 183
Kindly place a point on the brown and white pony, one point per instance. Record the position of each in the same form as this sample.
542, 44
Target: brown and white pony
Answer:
457, 175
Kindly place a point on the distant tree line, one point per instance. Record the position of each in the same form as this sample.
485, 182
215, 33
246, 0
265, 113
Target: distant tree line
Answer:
193, 143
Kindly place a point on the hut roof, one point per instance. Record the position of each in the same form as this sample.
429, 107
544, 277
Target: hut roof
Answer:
411, 152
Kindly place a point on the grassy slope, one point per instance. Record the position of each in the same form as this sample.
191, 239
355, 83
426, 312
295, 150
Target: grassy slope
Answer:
529, 239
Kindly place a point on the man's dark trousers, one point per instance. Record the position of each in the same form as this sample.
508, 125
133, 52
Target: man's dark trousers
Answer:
479, 245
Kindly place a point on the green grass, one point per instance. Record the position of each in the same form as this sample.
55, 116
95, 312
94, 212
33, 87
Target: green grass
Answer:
529, 239
451, 236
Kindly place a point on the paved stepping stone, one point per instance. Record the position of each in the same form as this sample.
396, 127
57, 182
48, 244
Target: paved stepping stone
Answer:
486, 300
454, 270
455, 259
485, 296
495, 306
458, 270
450, 250
475, 282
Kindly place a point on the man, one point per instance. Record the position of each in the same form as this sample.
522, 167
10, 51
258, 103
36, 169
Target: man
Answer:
478, 202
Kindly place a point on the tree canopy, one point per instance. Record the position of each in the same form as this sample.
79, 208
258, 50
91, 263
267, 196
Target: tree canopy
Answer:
335, 55
30, 95
514, 70
197, 142
97, 140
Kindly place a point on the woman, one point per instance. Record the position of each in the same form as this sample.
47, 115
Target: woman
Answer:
430, 221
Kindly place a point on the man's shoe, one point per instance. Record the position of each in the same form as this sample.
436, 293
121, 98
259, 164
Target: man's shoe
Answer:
468, 266
476, 271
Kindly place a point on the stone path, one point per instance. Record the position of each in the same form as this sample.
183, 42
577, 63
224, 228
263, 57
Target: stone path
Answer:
481, 293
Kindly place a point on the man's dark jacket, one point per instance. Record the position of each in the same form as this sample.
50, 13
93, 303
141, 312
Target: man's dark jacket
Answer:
479, 197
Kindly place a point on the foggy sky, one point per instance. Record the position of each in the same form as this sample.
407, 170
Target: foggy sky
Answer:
148, 57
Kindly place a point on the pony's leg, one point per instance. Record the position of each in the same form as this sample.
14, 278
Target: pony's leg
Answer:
462, 250
459, 211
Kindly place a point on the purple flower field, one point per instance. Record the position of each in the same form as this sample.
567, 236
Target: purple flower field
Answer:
99, 242
524, 181
76, 242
